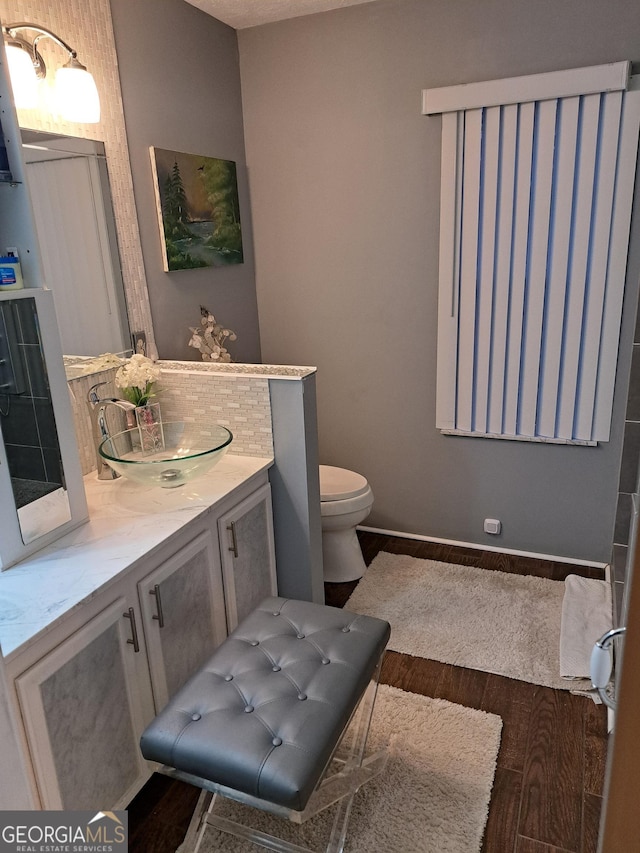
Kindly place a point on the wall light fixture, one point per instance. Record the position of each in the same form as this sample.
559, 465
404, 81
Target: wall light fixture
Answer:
76, 94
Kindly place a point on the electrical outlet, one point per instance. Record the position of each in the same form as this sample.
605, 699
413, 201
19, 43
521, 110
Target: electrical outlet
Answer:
492, 525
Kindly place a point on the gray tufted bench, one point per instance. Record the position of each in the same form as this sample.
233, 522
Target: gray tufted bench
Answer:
261, 720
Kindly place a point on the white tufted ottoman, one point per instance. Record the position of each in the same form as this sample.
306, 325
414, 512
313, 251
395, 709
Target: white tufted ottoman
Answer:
260, 721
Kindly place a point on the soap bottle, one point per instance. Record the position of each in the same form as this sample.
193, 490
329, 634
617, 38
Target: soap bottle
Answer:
10, 273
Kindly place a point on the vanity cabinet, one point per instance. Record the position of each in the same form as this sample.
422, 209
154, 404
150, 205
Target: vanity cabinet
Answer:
194, 599
87, 690
247, 554
84, 705
183, 615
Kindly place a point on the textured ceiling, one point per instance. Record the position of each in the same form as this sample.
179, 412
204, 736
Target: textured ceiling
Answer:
250, 13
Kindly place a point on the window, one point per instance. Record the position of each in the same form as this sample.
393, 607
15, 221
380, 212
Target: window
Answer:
536, 196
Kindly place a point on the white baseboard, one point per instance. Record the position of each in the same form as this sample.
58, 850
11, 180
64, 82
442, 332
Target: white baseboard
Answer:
572, 560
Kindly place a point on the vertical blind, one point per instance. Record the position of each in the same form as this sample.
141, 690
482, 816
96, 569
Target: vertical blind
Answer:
536, 194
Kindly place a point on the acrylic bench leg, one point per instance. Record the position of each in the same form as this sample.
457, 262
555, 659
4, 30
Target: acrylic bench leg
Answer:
338, 787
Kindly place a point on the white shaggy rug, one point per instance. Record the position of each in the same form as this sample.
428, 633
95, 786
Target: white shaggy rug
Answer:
432, 797
496, 622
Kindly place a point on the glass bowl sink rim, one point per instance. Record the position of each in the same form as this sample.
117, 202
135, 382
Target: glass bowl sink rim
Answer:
146, 460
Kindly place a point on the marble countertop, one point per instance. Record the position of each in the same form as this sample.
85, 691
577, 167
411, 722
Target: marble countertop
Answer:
265, 371
78, 366
126, 522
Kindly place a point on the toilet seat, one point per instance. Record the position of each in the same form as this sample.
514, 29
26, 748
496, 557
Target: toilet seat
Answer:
339, 484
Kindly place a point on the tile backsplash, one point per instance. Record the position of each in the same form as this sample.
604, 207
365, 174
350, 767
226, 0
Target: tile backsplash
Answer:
237, 401
79, 393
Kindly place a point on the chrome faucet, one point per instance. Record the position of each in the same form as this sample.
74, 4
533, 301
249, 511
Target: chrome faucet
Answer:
98, 409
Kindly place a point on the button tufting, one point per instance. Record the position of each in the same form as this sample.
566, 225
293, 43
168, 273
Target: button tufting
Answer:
346, 629
314, 735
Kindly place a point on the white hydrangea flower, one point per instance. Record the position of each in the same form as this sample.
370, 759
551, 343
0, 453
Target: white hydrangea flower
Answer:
136, 379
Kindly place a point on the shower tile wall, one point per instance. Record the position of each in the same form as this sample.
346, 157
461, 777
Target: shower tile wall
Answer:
28, 424
629, 482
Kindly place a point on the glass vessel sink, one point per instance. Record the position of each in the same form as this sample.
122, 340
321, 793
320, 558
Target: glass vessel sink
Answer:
182, 453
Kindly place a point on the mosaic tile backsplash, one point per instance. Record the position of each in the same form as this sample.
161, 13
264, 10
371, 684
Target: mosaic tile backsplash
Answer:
239, 402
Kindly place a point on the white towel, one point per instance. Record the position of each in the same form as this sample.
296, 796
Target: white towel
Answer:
586, 616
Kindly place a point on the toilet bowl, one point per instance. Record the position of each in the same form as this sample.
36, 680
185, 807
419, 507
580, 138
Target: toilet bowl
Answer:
345, 501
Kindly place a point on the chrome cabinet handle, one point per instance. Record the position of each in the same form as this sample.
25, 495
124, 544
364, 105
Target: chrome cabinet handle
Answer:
130, 614
234, 540
159, 616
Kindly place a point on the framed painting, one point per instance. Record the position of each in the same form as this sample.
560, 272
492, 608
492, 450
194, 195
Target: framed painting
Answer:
198, 210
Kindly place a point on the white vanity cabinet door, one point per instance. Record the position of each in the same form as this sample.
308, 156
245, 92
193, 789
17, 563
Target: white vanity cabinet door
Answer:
182, 604
84, 706
247, 554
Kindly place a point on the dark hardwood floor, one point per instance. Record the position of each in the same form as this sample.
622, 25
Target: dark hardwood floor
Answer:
547, 792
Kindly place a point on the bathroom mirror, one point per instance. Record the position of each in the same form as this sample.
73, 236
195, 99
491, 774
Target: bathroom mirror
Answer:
71, 199
37, 452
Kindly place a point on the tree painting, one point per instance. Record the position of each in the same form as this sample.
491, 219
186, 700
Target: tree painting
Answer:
198, 210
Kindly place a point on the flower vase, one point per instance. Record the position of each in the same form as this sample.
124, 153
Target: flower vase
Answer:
149, 421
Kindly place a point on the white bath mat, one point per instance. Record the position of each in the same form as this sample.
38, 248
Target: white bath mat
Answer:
496, 622
432, 797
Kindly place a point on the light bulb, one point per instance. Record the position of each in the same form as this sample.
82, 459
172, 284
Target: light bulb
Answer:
23, 77
76, 94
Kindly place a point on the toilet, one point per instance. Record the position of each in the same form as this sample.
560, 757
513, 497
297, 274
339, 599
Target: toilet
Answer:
345, 501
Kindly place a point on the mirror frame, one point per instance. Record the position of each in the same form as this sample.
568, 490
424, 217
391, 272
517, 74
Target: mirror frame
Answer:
12, 548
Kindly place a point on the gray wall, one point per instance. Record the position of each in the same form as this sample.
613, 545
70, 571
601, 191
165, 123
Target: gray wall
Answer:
344, 177
180, 84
